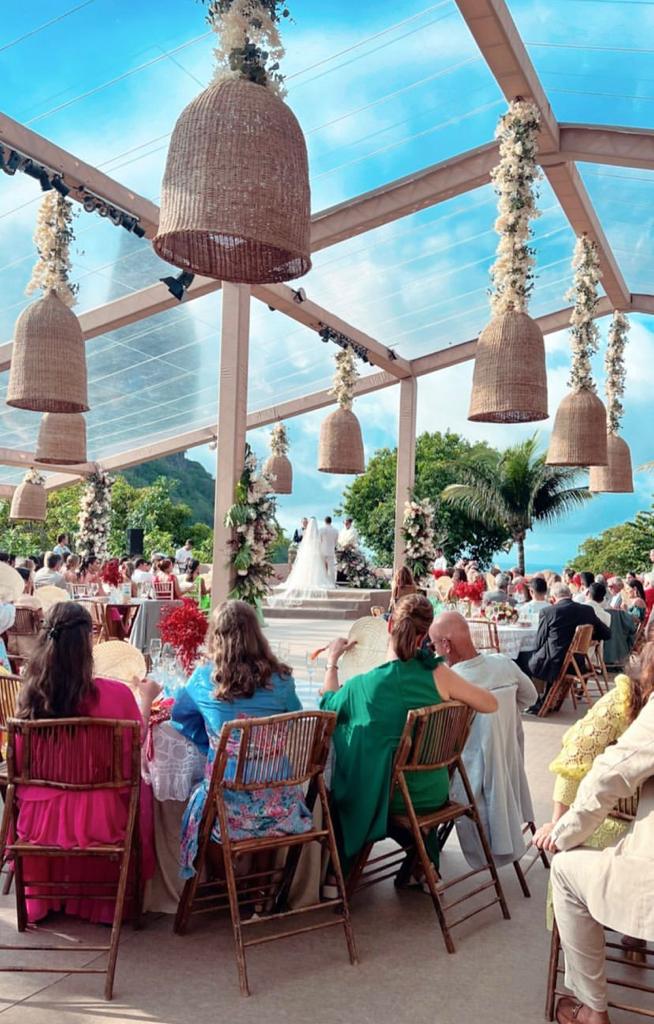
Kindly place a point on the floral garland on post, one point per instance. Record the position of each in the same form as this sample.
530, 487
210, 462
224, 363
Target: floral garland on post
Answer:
345, 378
249, 43
34, 477
279, 439
95, 516
514, 179
52, 237
252, 518
583, 328
419, 537
615, 371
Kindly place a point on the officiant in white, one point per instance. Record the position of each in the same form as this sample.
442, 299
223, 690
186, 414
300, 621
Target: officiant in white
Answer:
348, 536
328, 542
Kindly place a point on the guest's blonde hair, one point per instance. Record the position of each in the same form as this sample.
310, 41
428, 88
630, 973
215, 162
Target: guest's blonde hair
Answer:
243, 660
411, 619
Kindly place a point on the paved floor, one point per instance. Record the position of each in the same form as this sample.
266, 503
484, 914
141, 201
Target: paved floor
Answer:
497, 974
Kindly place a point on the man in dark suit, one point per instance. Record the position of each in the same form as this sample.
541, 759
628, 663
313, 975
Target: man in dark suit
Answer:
556, 628
299, 533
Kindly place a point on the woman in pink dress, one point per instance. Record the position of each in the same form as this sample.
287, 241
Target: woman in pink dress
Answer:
59, 683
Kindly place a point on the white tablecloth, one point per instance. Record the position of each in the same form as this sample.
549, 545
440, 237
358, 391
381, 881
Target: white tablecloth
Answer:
514, 639
176, 766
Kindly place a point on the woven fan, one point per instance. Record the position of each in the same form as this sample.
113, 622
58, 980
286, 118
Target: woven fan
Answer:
371, 647
116, 659
11, 583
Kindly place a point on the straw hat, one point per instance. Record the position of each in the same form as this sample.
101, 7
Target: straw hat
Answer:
117, 659
371, 637
11, 583
51, 595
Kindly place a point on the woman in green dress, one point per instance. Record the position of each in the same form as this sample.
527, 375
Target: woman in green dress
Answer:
371, 713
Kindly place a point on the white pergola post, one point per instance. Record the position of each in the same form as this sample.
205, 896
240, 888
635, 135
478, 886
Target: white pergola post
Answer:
232, 421
406, 460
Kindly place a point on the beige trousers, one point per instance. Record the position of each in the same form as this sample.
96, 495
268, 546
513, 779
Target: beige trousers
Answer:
582, 938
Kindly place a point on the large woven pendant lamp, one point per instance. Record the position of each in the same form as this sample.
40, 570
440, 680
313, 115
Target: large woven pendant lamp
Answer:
277, 466
62, 439
579, 433
509, 383
340, 447
616, 477
48, 359
29, 500
235, 199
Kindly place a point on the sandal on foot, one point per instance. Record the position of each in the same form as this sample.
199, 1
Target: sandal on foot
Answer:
572, 1005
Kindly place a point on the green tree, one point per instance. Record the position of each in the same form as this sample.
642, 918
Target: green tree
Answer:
370, 499
514, 489
620, 549
30, 538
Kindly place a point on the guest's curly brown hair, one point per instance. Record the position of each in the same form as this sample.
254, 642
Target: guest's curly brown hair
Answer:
243, 660
58, 678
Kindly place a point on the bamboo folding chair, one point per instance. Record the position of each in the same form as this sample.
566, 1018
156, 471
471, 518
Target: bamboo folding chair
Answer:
284, 750
74, 755
27, 623
484, 635
433, 738
596, 658
571, 677
78, 590
163, 590
114, 629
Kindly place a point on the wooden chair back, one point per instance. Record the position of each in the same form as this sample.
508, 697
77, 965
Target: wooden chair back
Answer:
10, 687
27, 622
163, 589
570, 676
80, 590
582, 640
484, 635
433, 737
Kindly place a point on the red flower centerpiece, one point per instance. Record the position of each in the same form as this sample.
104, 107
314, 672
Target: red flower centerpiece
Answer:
185, 627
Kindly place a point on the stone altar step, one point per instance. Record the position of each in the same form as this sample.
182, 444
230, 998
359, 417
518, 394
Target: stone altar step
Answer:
341, 603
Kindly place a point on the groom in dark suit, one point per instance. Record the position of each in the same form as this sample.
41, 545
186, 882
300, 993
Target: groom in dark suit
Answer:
299, 533
556, 628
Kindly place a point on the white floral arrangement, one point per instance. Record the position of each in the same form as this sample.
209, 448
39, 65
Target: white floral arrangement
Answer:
515, 179
95, 516
354, 568
279, 439
252, 519
615, 370
34, 477
419, 537
345, 378
249, 45
583, 328
52, 237
500, 611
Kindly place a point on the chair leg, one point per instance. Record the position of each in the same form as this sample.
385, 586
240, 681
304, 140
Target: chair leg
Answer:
9, 877
357, 869
555, 949
187, 899
543, 856
19, 886
118, 914
235, 915
432, 881
338, 872
521, 879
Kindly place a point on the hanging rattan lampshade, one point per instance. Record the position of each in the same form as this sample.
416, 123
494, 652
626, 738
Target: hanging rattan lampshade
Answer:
28, 502
579, 433
616, 477
235, 200
340, 449
48, 361
280, 470
62, 439
509, 383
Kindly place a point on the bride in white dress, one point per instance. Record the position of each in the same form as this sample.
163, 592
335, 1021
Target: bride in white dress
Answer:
308, 577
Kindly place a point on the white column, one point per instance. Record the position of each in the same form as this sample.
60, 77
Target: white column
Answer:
232, 418
406, 460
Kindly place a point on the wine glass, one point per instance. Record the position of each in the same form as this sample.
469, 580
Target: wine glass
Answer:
311, 667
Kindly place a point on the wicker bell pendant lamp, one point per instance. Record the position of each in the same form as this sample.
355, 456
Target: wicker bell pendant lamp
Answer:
62, 439
579, 433
340, 448
616, 477
29, 501
280, 471
235, 199
509, 383
48, 360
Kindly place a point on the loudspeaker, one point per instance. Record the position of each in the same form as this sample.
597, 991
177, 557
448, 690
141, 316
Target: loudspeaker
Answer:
134, 541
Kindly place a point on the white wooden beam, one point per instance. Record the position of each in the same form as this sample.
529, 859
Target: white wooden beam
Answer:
7, 491
642, 304
599, 144
406, 461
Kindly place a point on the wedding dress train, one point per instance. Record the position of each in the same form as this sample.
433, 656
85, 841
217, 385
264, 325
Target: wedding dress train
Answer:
308, 577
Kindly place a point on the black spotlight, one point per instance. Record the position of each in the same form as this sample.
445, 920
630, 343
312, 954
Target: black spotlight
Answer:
177, 285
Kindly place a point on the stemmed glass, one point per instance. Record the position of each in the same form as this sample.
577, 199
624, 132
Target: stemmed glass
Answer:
311, 667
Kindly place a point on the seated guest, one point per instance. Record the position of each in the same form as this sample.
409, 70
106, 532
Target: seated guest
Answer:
611, 887
649, 596
90, 570
59, 683
50, 575
537, 598
556, 628
72, 568
142, 572
127, 575
636, 603
501, 595
165, 573
192, 585
371, 713
403, 584
569, 580
595, 599
586, 581
616, 586
243, 680
28, 598
22, 646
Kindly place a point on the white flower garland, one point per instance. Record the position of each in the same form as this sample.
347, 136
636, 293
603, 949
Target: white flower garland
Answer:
244, 24
514, 179
345, 378
52, 237
34, 477
252, 519
615, 370
279, 439
583, 328
419, 537
95, 516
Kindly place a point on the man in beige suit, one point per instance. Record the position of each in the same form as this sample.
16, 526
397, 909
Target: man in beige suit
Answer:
613, 887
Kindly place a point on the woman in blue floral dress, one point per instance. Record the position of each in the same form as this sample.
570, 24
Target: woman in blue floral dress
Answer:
244, 680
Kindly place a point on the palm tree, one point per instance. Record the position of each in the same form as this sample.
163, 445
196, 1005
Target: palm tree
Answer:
516, 490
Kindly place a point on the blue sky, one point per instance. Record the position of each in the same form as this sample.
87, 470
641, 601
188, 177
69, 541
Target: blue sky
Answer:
381, 90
